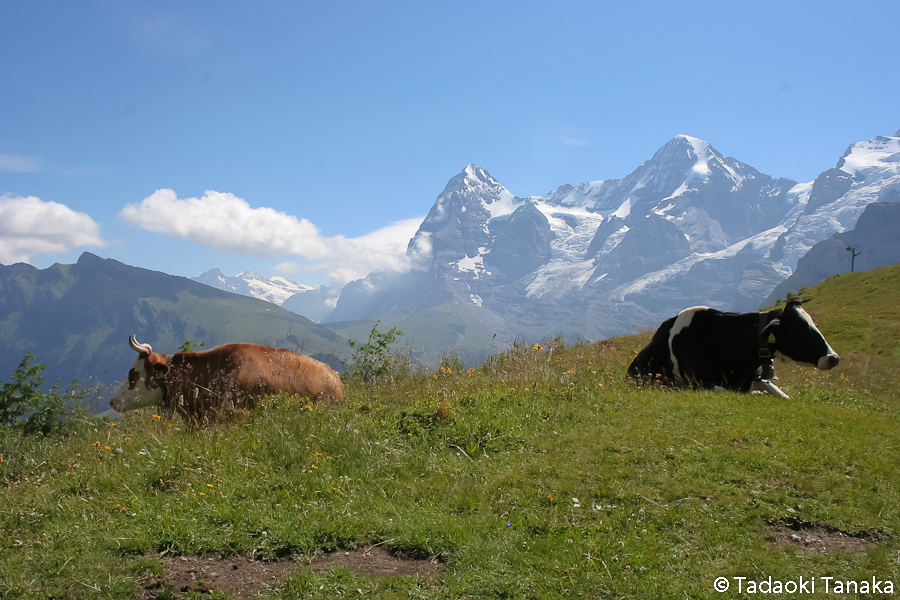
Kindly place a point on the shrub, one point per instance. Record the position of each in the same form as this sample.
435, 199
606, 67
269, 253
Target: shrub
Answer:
451, 362
24, 405
373, 359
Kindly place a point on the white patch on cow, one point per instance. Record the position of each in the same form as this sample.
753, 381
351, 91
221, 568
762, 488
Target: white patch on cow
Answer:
825, 362
683, 320
761, 385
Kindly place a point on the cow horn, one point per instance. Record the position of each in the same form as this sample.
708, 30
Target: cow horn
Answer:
139, 348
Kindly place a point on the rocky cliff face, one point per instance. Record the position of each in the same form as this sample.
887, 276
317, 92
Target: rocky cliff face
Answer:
521, 243
689, 226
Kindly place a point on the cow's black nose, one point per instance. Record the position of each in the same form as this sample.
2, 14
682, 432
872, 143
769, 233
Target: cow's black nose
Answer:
829, 362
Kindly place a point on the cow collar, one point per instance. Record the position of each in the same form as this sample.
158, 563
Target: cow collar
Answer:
767, 371
164, 386
165, 396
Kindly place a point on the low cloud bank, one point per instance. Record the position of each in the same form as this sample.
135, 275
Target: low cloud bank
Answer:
224, 222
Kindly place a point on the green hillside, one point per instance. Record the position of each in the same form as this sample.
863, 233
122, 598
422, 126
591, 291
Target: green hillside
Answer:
76, 319
860, 311
543, 473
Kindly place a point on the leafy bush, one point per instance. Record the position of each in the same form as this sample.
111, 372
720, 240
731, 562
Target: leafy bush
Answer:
373, 359
24, 405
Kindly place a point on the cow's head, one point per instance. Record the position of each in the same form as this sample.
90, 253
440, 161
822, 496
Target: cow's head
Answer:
798, 338
144, 384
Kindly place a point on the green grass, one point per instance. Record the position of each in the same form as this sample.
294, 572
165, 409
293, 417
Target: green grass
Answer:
541, 474
858, 312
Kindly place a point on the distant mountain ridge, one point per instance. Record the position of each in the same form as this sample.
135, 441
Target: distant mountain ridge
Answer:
275, 289
312, 302
596, 259
76, 319
601, 258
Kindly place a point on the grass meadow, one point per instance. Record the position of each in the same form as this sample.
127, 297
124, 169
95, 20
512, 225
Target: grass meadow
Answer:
543, 473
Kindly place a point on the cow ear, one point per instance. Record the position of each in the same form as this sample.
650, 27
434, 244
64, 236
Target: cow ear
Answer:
160, 370
769, 329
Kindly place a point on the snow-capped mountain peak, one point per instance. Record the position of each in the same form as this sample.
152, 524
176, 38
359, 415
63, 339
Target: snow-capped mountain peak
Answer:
588, 195
870, 153
688, 226
275, 289
473, 188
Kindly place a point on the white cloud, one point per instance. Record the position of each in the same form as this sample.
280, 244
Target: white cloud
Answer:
30, 226
225, 222
394, 238
383, 248
571, 141
14, 163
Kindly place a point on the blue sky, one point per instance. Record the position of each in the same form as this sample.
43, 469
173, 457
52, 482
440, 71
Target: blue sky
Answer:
310, 138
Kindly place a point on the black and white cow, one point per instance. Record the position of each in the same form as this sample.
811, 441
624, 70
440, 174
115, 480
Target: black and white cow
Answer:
707, 348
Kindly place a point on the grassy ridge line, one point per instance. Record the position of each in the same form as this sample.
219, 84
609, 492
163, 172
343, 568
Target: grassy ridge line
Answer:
858, 312
543, 473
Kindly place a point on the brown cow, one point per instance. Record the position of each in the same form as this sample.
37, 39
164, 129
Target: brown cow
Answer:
210, 384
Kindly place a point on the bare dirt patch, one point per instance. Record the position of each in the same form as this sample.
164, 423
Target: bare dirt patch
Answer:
377, 561
244, 577
241, 576
813, 538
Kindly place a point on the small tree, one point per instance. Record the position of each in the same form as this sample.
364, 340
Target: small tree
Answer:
373, 358
23, 403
